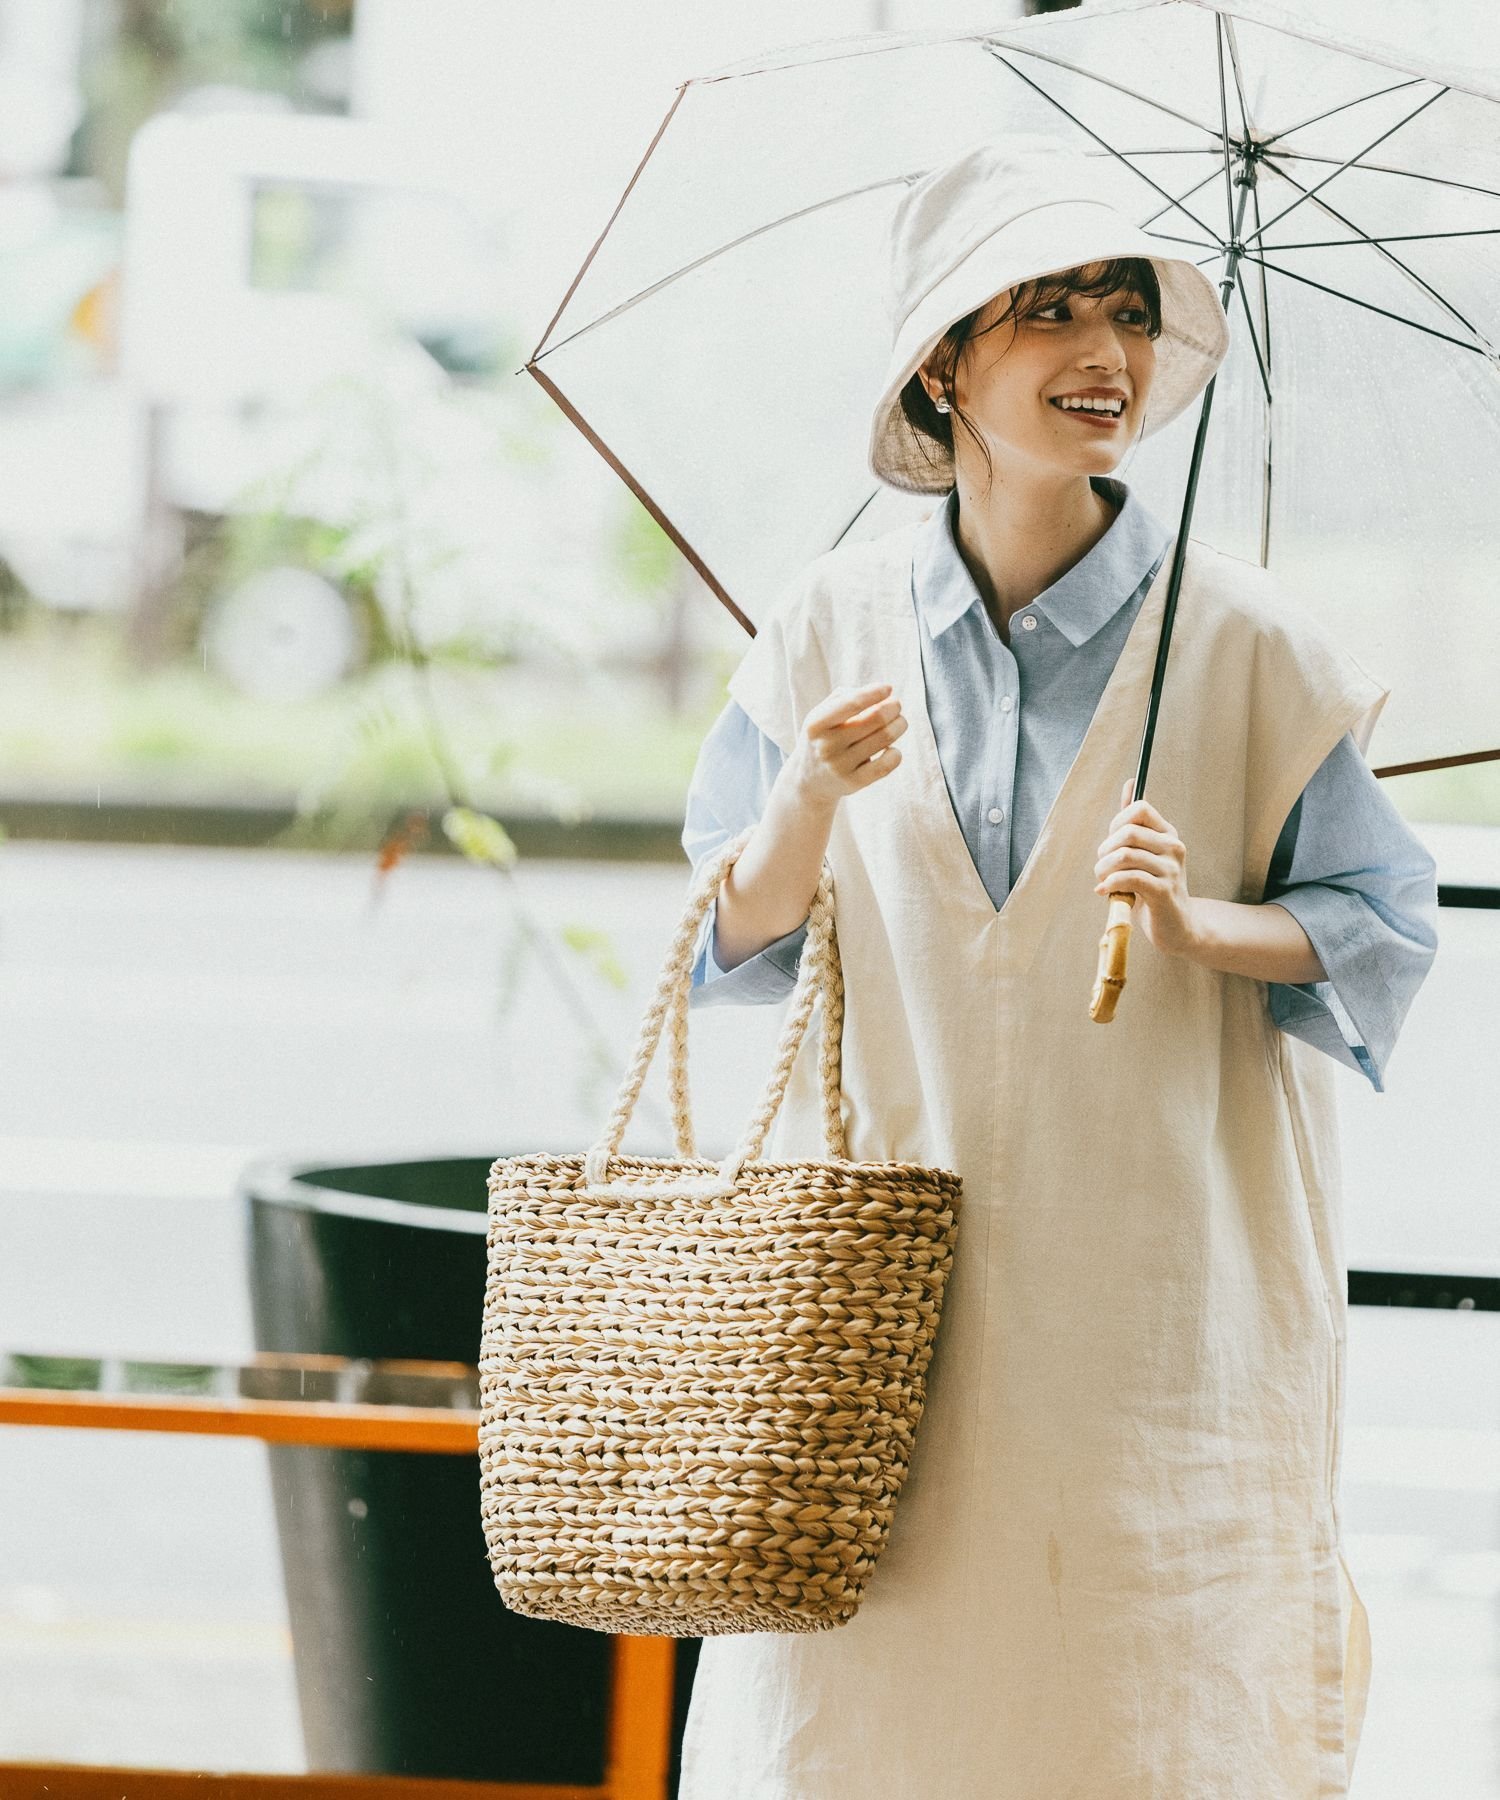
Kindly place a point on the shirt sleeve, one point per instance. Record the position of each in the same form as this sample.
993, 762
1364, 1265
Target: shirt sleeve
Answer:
737, 764
1363, 887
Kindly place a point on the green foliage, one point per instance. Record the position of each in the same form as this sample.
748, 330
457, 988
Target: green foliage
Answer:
598, 950
526, 741
479, 837
159, 740
642, 554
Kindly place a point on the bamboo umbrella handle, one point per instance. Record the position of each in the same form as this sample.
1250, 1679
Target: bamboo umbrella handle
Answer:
1109, 983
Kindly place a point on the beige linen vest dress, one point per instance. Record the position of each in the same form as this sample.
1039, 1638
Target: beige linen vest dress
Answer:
1115, 1570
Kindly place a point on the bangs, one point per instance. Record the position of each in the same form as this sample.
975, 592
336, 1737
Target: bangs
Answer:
1133, 273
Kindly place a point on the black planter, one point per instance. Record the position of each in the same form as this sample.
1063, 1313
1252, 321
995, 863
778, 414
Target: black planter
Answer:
407, 1660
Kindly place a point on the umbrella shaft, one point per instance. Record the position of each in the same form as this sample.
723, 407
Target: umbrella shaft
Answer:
1245, 181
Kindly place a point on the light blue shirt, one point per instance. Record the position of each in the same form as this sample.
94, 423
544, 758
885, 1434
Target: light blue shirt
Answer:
1009, 720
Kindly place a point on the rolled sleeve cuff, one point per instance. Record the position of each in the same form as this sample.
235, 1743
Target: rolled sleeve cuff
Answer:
762, 979
1310, 1010
1355, 1015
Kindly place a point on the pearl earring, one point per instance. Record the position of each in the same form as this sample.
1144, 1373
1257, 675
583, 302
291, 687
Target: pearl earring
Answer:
942, 405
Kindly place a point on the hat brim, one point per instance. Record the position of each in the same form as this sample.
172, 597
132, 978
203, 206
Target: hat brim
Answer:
1059, 235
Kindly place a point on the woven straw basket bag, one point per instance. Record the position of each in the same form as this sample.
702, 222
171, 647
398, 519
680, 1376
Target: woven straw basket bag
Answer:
699, 1382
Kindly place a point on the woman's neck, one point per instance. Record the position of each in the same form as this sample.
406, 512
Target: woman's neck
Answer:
1017, 538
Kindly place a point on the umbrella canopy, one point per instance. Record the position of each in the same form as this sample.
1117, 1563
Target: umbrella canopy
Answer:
725, 340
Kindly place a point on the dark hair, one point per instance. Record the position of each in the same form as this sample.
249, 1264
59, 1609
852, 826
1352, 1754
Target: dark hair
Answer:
1026, 298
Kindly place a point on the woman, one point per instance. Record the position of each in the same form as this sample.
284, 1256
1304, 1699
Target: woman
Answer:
1114, 1569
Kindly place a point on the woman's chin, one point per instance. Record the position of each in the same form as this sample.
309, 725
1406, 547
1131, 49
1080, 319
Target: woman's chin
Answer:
1102, 458
1086, 449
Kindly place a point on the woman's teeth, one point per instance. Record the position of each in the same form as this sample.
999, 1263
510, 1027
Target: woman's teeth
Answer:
1113, 407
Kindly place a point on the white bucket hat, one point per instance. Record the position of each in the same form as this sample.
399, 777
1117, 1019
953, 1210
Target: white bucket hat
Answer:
1007, 210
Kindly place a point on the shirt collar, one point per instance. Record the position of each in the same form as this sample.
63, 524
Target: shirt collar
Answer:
1081, 600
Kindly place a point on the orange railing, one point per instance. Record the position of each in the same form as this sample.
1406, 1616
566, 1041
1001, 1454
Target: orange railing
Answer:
262, 1399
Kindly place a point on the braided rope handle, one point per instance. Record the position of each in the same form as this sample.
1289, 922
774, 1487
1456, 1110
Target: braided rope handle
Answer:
819, 973
677, 1074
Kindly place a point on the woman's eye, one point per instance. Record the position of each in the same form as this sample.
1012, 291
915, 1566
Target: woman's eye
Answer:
1129, 315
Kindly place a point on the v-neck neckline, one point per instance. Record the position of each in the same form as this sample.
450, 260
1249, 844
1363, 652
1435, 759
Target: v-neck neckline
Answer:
1137, 654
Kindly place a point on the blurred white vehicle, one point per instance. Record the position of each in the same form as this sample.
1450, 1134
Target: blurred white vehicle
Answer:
308, 306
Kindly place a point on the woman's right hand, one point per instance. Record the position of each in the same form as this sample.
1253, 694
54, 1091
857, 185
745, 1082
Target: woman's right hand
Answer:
769, 890
835, 754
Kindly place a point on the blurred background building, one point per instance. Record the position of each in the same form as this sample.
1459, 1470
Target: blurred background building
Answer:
240, 242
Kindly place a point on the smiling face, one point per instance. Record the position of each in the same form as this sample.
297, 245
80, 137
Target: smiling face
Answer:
1060, 386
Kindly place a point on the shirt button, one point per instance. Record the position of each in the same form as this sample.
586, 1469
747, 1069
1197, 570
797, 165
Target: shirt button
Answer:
1006, 703
996, 815
1028, 621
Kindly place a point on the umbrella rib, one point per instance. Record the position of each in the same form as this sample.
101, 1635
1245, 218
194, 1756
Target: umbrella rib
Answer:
707, 575
719, 250
1358, 100
1270, 434
1465, 187
619, 204
1171, 237
1239, 85
1308, 193
1053, 100
1393, 259
1147, 223
1369, 306
1058, 62
1403, 237
859, 513
1437, 762
1260, 362
1224, 120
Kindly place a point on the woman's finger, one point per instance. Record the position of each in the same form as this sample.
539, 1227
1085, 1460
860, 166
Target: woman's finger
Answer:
1162, 842
858, 724
1142, 812
873, 770
845, 702
1132, 857
853, 754
1132, 881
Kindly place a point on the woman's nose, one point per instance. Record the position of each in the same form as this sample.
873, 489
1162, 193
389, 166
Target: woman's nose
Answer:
1102, 349
1102, 344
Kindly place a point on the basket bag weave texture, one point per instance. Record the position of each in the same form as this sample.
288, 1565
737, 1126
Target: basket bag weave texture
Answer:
700, 1382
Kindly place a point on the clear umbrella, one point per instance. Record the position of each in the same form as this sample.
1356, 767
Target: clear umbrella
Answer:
725, 338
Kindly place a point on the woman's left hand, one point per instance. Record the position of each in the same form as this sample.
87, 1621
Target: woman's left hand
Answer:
1144, 856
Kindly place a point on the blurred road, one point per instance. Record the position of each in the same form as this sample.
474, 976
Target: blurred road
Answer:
169, 1014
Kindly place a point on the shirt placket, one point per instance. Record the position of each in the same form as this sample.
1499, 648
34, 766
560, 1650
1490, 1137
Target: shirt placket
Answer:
997, 810
1025, 637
